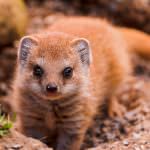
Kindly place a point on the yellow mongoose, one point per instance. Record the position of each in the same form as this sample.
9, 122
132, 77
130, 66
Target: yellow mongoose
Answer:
64, 74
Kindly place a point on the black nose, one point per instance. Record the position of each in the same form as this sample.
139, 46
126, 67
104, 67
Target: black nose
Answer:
52, 87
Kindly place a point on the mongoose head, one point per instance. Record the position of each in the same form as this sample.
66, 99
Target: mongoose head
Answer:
53, 65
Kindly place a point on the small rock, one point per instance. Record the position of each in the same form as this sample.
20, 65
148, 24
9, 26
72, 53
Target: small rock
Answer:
16, 147
137, 148
125, 142
136, 136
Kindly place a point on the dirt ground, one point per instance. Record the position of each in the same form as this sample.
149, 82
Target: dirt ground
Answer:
130, 132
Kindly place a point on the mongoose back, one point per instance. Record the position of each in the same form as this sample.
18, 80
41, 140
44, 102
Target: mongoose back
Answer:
64, 73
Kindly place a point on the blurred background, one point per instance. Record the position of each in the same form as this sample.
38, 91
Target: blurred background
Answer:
18, 17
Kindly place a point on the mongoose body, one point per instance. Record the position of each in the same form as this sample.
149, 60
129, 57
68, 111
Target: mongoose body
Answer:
64, 75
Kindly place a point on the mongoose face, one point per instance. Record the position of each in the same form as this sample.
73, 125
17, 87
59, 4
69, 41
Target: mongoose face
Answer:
53, 66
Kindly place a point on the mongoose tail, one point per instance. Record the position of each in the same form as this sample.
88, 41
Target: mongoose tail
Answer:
138, 42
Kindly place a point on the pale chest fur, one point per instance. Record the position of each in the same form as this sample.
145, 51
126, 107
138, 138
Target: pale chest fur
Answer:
68, 114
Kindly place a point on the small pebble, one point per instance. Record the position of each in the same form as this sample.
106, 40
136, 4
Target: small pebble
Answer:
136, 136
16, 147
137, 148
125, 142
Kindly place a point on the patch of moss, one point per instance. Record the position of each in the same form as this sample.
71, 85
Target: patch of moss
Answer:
5, 123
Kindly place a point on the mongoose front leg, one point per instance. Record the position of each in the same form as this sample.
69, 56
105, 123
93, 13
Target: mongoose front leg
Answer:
115, 109
71, 131
69, 141
127, 97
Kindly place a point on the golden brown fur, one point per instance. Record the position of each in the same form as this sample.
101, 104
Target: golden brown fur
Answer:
67, 116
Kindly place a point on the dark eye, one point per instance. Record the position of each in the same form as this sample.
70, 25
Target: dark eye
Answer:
37, 71
67, 72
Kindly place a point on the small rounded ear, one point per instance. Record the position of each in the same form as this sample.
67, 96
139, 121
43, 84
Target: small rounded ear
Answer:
25, 46
82, 46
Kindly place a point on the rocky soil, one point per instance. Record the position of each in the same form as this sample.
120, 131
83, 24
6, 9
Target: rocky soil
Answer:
16, 141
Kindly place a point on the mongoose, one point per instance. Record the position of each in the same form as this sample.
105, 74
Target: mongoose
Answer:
64, 73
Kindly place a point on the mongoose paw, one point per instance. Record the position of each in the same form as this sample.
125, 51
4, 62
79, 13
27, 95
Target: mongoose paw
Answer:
115, 109
129, 97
